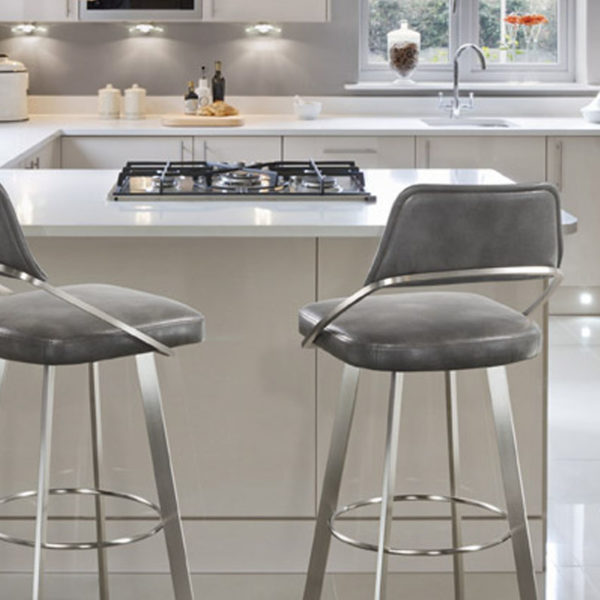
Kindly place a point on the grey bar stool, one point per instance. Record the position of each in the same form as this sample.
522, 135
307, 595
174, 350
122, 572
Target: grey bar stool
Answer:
85, 324
439, 235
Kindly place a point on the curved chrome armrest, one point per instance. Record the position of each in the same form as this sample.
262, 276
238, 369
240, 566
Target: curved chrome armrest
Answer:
88, 308
442, 278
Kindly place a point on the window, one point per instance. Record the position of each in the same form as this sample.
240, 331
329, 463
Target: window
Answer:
523, 40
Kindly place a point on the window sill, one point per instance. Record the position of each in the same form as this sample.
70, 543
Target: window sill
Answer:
431, 88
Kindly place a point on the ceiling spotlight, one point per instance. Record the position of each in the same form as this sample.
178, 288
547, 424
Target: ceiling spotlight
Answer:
263, 29
27, 29
145, 28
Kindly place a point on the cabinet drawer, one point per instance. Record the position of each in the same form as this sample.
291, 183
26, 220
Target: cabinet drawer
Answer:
112, 152
233, 149
367, 152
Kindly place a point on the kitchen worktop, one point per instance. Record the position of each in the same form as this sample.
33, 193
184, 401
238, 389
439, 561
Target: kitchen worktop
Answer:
18, 139
74, 203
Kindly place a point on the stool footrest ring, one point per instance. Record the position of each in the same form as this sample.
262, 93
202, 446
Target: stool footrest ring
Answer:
85, 545
419, 552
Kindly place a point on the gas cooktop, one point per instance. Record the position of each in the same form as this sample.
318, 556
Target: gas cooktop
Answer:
283, 180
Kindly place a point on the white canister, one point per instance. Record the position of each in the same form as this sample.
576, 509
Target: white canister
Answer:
135, 102
14, 83
109, 102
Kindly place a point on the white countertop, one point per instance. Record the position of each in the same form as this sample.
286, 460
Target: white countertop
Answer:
18, 139
75, 203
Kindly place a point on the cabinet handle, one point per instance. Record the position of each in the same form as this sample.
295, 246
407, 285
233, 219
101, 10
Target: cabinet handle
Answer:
68, 8
427, 154
183, 150
205, 150
559, 166
36, 163
349, 151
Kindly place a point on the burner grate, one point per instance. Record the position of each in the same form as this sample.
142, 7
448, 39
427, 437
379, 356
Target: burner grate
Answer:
277, 179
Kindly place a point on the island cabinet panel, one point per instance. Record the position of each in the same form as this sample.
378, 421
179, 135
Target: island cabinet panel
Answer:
573, 167
112, 152
423, 459
266, 10
38, 10
523, 159
367, 152
240, 407
237, 148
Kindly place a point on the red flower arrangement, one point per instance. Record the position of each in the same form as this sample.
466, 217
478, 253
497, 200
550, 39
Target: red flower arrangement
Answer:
526, 20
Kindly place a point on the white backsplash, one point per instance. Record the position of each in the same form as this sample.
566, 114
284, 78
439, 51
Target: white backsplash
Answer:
341, 105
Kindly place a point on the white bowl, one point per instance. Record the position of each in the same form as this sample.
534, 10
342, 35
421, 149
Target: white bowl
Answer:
591, 114
308, 110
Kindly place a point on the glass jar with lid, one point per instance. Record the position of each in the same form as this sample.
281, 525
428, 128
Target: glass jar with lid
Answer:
404, 46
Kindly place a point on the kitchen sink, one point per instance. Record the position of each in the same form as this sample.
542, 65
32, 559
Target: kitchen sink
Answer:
476, 122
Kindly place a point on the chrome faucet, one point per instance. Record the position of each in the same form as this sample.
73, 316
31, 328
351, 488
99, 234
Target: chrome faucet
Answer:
456, 104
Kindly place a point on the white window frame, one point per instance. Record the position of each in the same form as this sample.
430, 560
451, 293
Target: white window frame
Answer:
464, 27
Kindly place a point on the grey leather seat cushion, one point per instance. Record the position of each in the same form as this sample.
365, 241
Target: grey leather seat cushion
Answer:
425, 331
38, 328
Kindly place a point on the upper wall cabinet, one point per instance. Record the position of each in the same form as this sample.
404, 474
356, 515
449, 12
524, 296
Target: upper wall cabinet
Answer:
277, 11
38, 10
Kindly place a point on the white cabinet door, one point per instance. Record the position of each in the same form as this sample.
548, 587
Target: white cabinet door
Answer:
38, 10
573, 168
266, 10
112, 152
234, 149
523, 159
47, 157
366, 152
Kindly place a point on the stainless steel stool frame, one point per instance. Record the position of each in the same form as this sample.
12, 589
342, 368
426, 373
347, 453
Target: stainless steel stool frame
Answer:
507, 445
159, 447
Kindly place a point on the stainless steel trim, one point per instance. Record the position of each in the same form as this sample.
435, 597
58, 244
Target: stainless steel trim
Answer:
41, 513
88, 308
349, 151
138, 16
97, 455
419, 552
454, 471
439, 278
512, 482
389, 484
164, 477
83, 545
344, 415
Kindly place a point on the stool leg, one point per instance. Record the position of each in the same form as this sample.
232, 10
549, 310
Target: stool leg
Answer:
163, 474
95, 411
454, 460
41, 516
389, 484
513, 483
331, 483
2, 371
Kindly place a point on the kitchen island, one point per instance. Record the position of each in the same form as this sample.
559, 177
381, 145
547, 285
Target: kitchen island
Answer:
250, 413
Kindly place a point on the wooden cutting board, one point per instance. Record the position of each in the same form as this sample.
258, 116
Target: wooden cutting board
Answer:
197, 121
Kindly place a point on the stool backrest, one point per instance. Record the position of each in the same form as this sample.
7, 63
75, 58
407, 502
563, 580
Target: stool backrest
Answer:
14, 251
447, 227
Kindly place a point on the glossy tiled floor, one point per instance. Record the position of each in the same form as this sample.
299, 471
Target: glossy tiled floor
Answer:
573, 553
